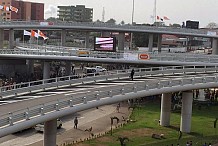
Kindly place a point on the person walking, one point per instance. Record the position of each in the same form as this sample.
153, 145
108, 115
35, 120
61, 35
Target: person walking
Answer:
75, 122
132, 73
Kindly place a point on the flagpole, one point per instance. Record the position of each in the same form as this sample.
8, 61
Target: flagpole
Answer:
23, 38
131, 37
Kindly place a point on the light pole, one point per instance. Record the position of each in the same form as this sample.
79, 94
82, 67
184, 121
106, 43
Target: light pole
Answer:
133, 9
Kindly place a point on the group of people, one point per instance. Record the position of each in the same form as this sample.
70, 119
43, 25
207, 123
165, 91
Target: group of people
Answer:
189, 143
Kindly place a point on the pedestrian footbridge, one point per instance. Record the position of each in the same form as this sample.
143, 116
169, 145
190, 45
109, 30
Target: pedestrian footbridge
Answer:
147, 81
69, 54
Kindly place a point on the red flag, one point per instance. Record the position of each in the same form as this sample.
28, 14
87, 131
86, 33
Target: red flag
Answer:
166, 18
34, 34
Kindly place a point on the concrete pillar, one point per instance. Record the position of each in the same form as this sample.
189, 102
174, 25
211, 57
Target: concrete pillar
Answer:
50, 132
159, 42
215, 47
87, 40
186, 113
46, 70
201, 95
63, 37
30, 66
1, 38
165, 109
11, 39
121, 41
150, 43
68, 68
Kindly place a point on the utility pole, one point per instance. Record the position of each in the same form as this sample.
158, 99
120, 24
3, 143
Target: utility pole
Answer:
155, 11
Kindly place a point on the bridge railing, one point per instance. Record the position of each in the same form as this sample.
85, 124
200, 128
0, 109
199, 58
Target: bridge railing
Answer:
70, 101
54, 83
117, 55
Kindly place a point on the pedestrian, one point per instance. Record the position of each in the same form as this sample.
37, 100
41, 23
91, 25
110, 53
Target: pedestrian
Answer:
132, 73
75, 122
118, 107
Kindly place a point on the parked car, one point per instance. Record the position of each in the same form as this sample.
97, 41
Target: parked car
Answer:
40, 127
100, 69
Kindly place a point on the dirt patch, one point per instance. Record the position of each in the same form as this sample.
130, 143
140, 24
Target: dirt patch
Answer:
104, 139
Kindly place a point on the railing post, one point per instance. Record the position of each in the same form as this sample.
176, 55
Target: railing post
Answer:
71, 103
84, 100
193, 81
27, 115
97, 96
57, 106
42, 110
110, 93
10, 119
135, 87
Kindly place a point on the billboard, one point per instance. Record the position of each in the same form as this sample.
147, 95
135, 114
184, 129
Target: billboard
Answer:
105, 44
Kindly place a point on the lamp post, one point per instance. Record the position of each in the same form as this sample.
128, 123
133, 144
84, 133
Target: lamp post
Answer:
133, 9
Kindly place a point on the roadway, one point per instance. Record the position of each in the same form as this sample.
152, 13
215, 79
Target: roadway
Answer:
97, 118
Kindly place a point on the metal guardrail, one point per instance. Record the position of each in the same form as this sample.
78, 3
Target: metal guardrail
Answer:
13, 118
54, 83
184, 57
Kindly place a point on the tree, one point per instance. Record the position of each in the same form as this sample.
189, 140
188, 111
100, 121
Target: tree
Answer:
111, 21
122, 22
211, 25
175, 25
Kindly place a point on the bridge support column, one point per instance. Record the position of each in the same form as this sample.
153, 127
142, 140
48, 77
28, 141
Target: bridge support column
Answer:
63, 37
11, 38
186, 113
165, 109
50, 131
46, 70
201, 95
159, 42
30, 66
121, 41
68, 68
215, 47
150, 43
1, 38
87, 40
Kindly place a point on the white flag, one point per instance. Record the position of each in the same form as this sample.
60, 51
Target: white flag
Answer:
26, 33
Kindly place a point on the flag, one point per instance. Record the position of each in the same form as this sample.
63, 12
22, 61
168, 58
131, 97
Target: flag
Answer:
26, 33
13, 9
166, 18
34, 34
42, 35
6, 8
159, 18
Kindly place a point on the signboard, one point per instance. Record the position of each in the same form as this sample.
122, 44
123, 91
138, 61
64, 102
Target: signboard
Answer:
143, 56
105, 44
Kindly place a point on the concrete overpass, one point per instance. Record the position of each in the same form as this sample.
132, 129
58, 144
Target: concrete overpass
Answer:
174, 80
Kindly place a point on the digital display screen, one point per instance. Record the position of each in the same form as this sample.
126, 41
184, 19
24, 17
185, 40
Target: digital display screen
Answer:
105, 44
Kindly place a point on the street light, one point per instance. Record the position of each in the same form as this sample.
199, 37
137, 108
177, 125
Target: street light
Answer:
133, 8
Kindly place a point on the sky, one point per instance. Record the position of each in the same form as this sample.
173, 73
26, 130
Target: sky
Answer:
178, 11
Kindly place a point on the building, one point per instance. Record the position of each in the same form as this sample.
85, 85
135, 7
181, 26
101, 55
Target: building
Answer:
78, 13
27, 10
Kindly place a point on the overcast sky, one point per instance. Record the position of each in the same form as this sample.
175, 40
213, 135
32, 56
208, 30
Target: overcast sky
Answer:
177, 11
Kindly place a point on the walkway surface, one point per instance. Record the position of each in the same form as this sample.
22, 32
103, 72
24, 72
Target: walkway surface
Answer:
99, 125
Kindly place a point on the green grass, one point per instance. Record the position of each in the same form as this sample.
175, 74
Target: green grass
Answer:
147, 116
